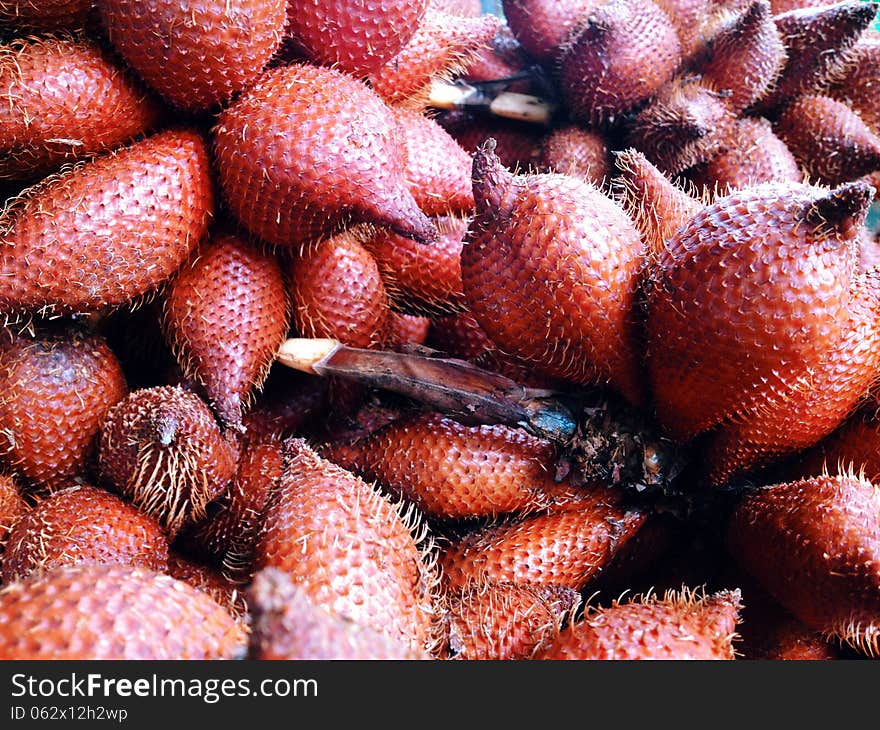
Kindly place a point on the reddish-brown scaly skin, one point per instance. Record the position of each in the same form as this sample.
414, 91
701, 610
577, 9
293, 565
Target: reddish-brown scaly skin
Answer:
829, 140
226, 314
162, 449
452, 471
204, 578
467, 8
45, 16
505, 621
442, 47
356, 36
816, 44
422, 279
783, 6
336, 291
619, 57
228, 534
687, 123
755, 156
745, 56
692, 22
289, 401
542, 26
65, 100
83, 524
676, 627
817, 395
408, 329
567, 546
853, 447
307, 150
55, 391
349, 548
12, 507
108, 232
656, 206
459, 335
787, 250
858, 84
504, 57
438, 170
289, 625
576, 151
517, 144
113, 612
814, 545
198, 54
551, 272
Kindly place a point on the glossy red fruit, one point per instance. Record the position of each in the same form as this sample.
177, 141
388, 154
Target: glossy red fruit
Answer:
113, 612
551, 272
422, 279
818, 395
408, 329
829, 140
756, 155
45, 16
853, 447
108, 232
12, 507
352, 551
577, 152
226, 314
438, 170
83, 524
786, 250
567, 546
745, 56
678, 626
336, 291
452, 471
162, 449
506, 621
356, 36
618, 58
196, 55
67, 100
307, 150
441, 48
543, 26
56, 388
289, 625
813, 545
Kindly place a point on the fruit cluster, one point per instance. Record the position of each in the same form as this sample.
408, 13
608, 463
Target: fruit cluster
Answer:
426, 199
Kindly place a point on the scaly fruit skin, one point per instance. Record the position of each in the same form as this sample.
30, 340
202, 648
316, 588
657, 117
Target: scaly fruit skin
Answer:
12, 507
408, 329
44, 16
854, 447
56, 389
228, 534
517, 144
677, 627
113, 612
769, 246
438, 170
198, 54
542, 26
858, 84
466, 8
308, 150
289, 625
577, 152
814, 545
66, 100
206, 579
162, 449
442, 47
570, 261
349, 548
831, 142
505, 621
336, 291
289, 401
756, 156
108, 232
566, 546
422, 279
818, 396
83, 524
356, 36
226, 314
452, 471
619, 57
